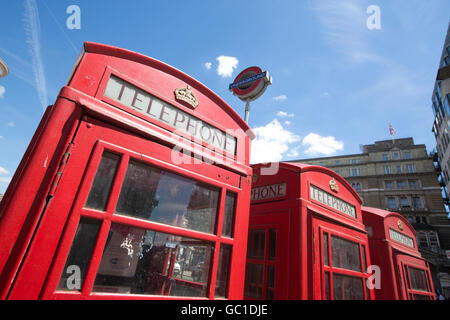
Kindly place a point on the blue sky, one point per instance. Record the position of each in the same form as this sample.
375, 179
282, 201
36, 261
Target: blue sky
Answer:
336, 83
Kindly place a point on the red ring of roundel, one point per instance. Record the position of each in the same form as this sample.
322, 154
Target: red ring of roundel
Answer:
238, 91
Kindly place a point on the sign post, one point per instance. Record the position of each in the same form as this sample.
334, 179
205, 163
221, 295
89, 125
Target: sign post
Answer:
249, 85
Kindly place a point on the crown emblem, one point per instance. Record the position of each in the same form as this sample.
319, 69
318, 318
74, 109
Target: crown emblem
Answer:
186, 95
400, 225
334, 186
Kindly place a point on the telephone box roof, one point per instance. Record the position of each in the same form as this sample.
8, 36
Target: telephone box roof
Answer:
108, 50
302, 167
383, 214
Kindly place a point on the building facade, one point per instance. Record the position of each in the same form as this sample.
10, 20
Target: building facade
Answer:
398, 175
441, 110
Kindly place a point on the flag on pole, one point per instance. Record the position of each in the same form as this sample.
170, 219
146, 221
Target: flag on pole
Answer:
391, 131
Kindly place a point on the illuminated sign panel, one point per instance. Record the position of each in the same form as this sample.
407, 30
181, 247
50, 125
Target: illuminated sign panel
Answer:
145, 103
269, 192
332, 201
397, 236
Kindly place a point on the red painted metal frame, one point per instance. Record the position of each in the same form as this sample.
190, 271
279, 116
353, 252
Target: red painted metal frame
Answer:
280, 222
306, 219
37, 226
320, 227
392, 256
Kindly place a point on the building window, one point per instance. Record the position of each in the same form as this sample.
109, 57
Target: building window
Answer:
407, 155
355, 161
410, 168
428, 239
417, 202
392, 203
389, 184
396, 156
398, 169
356, 186
412, 184
433, 239
385, 157
387, 169
422, 239
354, 172
338, 162
404, 202
401, 184
421, 219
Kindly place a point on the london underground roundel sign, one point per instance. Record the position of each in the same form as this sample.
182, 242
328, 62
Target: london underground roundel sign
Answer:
250, 83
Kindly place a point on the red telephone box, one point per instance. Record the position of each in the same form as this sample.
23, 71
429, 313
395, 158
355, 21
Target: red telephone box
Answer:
404, 274
135, 185
306, 236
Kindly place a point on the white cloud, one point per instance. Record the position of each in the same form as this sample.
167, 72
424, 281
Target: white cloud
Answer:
3, 171
287, 122
32, 30
11, 124
318, 145
294, 152
208, 65
2, 91
280, 98
226, 66
5, 179
271, 143
283, 114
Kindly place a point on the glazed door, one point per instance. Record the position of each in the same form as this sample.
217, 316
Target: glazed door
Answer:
340, 260
415, 278
266, 268
125, 220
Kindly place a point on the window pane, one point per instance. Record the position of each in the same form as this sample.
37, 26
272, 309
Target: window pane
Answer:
417, 203
223, 271
254, 280
99, 193
404, 202
272, 244
347, 288
256, 243
270, 285
401, 184
147, 262
345, 254
392, 204
228, 215
160, 196
363, 248
325, 249
80, 255
418, 279
327, 286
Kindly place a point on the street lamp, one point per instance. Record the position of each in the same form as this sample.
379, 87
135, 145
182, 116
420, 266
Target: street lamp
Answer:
3, 69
